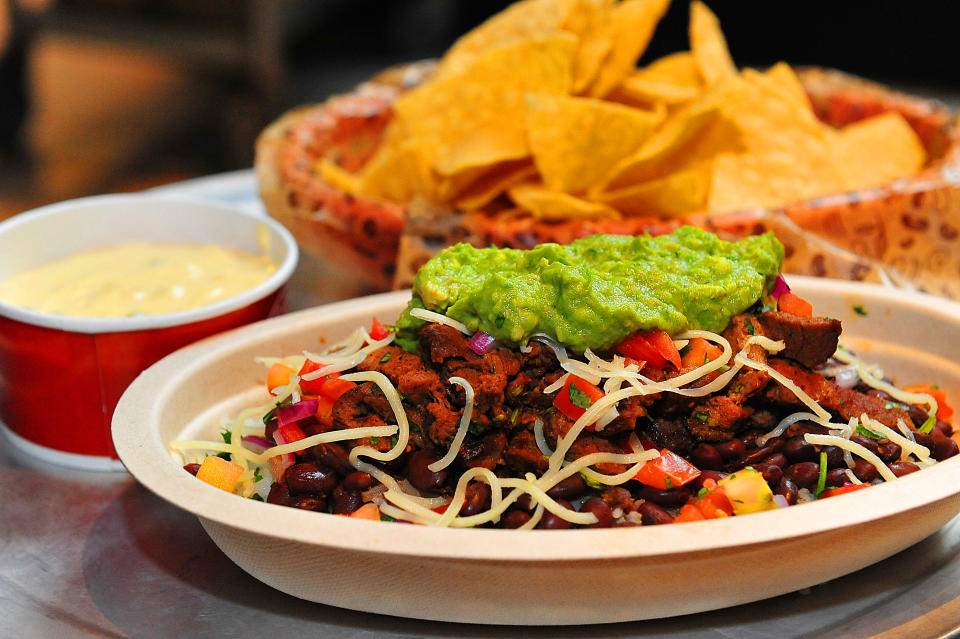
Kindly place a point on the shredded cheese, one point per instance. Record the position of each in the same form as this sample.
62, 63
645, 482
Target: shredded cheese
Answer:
447, 459
853, 447
430, 316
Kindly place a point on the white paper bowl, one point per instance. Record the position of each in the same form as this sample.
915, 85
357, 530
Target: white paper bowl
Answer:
540, 577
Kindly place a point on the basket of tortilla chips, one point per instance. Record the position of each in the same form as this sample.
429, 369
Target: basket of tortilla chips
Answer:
538, 126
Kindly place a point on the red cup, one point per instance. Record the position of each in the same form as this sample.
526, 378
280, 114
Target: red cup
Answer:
61, 376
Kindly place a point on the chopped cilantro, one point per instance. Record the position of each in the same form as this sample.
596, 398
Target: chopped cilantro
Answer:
738, 501
724, 368
867, 433
822, 479
385, 517
668, 483
738, 388
515, 416
224, 456
393, 440
516, 390
860, 310
415, 427
889, 406
702, 493
476, 429
578, 397
592, 483
374, 441
386, 358
750, 329
928, 424
256, 497
227, 436
257, 475
702, 416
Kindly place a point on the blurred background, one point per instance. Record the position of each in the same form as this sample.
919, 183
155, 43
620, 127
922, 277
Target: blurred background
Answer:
118, 95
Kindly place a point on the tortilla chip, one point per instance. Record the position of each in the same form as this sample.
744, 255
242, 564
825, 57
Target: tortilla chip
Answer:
688, 137
335, 175
769, 179
525, 20
477, 119
494, 183
552, 205
877, 150
782, 76
576, 141
632, 23
673, 79
397, 173
708, 45
676, 194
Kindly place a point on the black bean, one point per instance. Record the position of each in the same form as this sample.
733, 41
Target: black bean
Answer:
345, 501
279, 494
867, 442
944, 427
797, 449
569, 488
193, 469
749, 437
515, 519
316, 503
332, 456
730, 450
943, 446
864, 470
803, 474
788, 489
903, 468
755, 457
673, 497
422, 478
917, 415
837, 477
600, 510
776, 459
776, 443
652, 514
771, 474
834, 456
307, 477
549, 521
359, 480
890, 452
525, 502
476, 499
706, 457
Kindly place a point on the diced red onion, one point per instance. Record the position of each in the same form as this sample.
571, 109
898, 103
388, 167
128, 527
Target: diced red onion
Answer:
280, 463
847, 378
256, 443
481, 342
780, 501
294, 412
779, 287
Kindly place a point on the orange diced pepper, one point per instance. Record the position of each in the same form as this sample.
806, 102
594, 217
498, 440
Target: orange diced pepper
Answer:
220, 473
368, 511
795, 305
278, 375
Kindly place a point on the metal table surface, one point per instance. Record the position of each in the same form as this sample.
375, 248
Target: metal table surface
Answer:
85, 554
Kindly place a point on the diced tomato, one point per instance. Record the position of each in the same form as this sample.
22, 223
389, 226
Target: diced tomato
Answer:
333, 388
849, 488
667, 471
699, 352
714, 504
278, 375
689, 512
313, 385
795, 305
574, 403
655, 347
377, 330
944, 410
288, 433
324, 412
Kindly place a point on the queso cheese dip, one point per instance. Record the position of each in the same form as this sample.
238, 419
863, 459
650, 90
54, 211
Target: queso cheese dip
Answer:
136, 279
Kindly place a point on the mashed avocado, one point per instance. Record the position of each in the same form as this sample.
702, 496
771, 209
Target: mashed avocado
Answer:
596, 291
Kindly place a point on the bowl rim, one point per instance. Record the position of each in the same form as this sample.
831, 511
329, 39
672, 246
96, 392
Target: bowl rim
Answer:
96, 325
147, 459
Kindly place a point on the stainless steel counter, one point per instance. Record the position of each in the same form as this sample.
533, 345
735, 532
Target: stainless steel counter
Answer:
85, 554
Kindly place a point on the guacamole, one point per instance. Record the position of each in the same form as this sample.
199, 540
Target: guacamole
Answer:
596, 291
